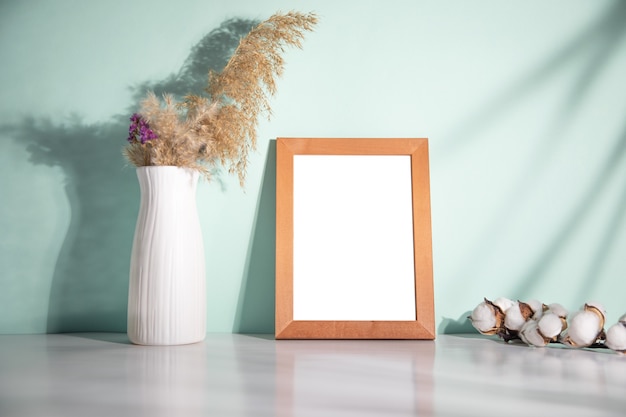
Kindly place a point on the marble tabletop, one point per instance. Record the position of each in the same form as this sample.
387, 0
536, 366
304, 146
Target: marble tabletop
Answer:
102, 374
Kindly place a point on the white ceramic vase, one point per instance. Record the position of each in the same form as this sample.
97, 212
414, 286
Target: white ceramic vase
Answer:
167, 288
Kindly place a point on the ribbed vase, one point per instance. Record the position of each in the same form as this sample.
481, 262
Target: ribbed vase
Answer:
167, 288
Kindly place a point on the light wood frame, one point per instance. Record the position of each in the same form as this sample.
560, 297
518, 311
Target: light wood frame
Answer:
286, 327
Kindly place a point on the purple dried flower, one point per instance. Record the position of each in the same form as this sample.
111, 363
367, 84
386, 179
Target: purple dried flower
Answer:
139, 130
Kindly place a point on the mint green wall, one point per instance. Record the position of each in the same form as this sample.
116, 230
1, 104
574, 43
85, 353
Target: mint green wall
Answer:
523, 102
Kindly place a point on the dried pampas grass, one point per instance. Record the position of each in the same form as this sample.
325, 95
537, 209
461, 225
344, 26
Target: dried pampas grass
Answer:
219, 127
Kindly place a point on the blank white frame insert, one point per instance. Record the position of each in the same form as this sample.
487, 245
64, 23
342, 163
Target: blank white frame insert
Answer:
353, 253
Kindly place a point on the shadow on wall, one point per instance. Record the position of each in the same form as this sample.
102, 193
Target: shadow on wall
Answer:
592, 49
595, 47
255, 309
90, 282
458, 326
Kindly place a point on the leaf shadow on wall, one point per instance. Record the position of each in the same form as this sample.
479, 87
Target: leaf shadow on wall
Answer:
594, 48
90, 281
591, 51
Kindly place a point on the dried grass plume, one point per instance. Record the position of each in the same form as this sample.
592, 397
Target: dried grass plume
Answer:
218, 126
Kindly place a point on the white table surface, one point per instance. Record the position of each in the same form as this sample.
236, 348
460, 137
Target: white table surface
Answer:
101, 374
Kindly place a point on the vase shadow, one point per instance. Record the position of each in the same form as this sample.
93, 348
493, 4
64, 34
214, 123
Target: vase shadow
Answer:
116, 338
90, 277
89, 289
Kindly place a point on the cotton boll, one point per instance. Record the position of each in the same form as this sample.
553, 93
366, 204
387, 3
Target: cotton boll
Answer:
537, 307
584, 328
503, 303
483, 318
524, 330
561, 312
598, 309
558, 309
529, 333
486, 318
616, 336
550, 326
513, 320
517, 315
596, 305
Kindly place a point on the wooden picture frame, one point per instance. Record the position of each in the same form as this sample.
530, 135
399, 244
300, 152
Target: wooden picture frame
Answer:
353, 239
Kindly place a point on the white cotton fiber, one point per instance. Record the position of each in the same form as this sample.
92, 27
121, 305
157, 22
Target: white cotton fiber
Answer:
503, 303
616, 336
558, 309
514, 320
530, 335
483, 318
537, 307
584, 328
550, 325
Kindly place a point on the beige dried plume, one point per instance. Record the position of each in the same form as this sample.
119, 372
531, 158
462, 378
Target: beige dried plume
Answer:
220, 127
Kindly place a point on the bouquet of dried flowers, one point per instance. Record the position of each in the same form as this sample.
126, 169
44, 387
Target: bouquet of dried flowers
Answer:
219, 127
538, 324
